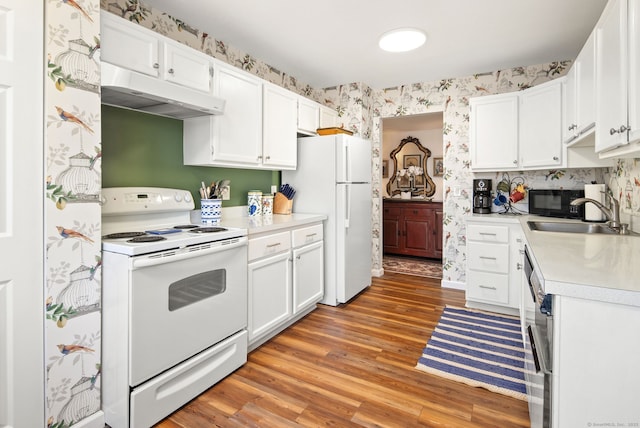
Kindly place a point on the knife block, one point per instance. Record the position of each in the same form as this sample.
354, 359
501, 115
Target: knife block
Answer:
281, 204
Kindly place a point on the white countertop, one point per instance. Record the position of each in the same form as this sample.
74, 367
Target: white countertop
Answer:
262, 224
590, 266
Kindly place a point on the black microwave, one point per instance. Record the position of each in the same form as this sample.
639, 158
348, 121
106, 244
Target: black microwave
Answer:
555, 203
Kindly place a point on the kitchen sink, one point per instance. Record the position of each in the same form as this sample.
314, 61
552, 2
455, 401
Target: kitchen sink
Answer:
554, 226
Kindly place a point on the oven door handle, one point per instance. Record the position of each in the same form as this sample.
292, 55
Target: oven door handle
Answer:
538, 358
185, 254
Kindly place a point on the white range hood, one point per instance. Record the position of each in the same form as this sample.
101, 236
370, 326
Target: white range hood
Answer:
137, 91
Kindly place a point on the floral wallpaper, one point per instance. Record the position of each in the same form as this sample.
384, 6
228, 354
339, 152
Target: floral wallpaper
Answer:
362, 108
72, 214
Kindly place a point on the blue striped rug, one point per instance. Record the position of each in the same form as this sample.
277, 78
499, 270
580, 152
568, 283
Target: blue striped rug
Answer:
479, 349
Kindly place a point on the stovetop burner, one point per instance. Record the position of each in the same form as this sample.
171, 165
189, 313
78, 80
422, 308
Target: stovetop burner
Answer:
147, 238
123, 235
186, 226
208, 230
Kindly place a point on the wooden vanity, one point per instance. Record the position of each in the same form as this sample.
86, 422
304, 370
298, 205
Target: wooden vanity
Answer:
412, 227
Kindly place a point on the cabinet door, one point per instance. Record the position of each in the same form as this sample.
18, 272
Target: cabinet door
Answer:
130, 46
586, 86
237, 136
570, 105
308, 116
437, 225
391, 230
611, 76
418, 232
279, 145
493, 127
541, 126
329, 118
269, 283
308, 276
187, 67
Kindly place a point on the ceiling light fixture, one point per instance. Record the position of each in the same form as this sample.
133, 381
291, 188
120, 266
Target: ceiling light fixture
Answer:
402, 40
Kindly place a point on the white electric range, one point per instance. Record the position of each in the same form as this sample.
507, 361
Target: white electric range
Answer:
174, 303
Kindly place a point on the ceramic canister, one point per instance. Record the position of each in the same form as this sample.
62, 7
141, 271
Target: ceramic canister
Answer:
267, 205
211, 211
254, 201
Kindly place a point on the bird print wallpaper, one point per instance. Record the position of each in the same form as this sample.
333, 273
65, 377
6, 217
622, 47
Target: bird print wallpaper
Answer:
72, 213
72, 286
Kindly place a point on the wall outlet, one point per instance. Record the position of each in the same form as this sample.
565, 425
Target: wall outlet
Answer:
226, 193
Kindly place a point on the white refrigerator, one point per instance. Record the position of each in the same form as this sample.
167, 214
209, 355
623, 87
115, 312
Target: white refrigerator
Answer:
333, 177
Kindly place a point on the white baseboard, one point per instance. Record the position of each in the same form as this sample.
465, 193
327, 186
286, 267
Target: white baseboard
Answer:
94, 421
377, 272
453, 284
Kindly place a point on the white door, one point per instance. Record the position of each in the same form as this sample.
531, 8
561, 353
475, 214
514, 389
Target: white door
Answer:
493, 132
21, 214
353, 160
279, 128
353, 241
308, 275
540, 126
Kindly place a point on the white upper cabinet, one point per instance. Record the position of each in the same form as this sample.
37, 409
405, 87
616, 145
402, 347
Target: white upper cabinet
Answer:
130, 46
187, 67
579, 96
540, 127
136, 48
493, 132
617, 74
256, 131
312, 115
329, 118
233, 139
308, 116
279, 117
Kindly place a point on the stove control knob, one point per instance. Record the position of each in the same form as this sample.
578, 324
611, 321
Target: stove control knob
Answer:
178, 197
187, 197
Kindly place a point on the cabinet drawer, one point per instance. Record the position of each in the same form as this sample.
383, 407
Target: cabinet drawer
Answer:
482, 232
270, 244
488, 287
488, 257
306, 235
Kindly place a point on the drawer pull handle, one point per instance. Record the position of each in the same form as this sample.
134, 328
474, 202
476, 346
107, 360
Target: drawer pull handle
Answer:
311, 235
487, 258
488, 288
274, 245
488, 233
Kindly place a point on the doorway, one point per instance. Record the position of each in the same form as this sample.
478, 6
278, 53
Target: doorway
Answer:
411, 241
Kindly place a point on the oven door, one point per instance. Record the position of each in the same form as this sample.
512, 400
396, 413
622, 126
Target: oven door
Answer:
184, 301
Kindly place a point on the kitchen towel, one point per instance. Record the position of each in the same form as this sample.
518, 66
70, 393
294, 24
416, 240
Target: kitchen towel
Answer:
594, 191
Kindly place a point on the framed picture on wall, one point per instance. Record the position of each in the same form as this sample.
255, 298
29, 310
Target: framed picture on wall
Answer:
385, 169
411, 160
438, 167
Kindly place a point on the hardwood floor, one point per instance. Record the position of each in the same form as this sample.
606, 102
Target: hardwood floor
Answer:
352, 366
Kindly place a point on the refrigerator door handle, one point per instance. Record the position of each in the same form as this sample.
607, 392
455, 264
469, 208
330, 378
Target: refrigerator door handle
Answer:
347, 204
347, 162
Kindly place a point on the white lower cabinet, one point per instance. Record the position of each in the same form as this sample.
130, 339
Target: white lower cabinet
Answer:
494, 277
285, 279
269, 282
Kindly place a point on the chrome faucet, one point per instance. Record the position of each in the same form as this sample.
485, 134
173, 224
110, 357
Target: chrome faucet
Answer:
612, 214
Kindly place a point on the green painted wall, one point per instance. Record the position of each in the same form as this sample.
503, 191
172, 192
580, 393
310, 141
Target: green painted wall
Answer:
140, 149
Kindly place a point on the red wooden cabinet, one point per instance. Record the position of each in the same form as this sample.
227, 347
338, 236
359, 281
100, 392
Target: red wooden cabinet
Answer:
412, 228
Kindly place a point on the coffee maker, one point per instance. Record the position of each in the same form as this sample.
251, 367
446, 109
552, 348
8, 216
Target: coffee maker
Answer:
482, 196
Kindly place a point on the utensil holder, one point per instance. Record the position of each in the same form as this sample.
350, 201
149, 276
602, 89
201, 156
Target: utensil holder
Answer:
210, 211
281, 204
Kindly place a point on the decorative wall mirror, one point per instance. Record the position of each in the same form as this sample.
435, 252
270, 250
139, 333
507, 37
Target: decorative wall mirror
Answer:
409, 170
